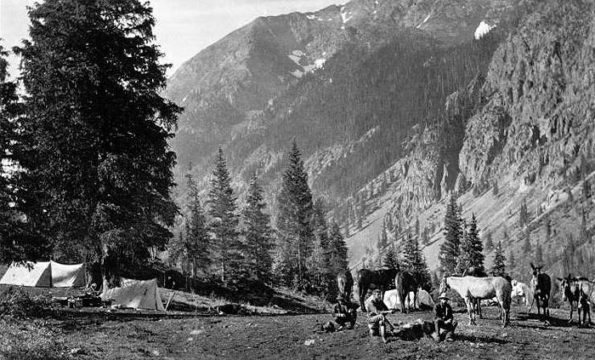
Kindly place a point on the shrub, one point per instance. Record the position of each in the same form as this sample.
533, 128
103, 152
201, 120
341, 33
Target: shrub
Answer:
18, 303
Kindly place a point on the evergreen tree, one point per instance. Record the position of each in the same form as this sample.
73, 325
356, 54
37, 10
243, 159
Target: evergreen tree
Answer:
523, 215
193, 249
258, 234
470, 250
499, 267
489, 242
224, 222
318, 262
337, 250
294, 222
527, 242
391, 260
511, 260
538, 254
414, 261
449, 250
94, 139
14, 244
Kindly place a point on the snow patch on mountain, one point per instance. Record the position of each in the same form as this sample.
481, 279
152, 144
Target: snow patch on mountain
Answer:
483, 29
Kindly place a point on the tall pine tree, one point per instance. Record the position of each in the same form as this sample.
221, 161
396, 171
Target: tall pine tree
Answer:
499, 266
193, 248
294, 226
449, 250
224, 223
337, 250
258, 233
94, 140
471, 250
414, 261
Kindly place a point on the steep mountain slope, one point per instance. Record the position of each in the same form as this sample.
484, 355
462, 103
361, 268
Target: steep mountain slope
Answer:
528, 139
397, 104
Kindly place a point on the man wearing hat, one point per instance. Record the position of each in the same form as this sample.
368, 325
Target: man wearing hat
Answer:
377, 312
444, 319
345, 312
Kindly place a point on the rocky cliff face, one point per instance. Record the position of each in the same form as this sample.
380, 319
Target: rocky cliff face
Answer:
404, 90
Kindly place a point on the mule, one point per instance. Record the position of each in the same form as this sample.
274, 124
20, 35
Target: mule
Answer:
541, 286
471, 287
406, 283
345, 284
572, 290
367, 278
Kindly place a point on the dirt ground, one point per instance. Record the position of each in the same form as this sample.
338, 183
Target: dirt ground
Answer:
294, 337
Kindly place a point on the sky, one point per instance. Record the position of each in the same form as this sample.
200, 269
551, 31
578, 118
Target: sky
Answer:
183, 27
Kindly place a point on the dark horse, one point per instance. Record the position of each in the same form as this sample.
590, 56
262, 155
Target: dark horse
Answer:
406, 282
541, 285
381, 279
345, 284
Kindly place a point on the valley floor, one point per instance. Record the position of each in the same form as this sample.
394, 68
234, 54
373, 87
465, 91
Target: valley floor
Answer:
286, 337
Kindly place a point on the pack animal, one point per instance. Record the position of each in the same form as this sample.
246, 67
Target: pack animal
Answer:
367, 279
574, 290
471, 287
522, 291
345, 284
541, 286
406, 283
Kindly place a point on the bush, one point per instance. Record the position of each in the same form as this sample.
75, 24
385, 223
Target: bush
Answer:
17, 303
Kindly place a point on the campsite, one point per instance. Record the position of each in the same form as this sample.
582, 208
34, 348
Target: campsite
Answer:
141, 336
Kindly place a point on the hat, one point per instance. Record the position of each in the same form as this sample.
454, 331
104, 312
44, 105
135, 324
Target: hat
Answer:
443, 296
376, 291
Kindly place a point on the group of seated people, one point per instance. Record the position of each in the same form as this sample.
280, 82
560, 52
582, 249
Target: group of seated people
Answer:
345, 315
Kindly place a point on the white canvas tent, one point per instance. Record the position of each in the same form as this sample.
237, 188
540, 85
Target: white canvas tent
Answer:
44, 274
29, 274
391, 299
135, 294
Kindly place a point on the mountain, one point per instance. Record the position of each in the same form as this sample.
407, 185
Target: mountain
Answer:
396, 105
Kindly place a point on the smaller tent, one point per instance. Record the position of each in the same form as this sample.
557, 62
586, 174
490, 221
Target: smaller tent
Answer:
136, 294
37, 274
391, 299
44, 274
67, 275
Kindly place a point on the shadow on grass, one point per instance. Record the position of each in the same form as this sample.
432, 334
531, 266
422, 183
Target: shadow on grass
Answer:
551, 322
479, 339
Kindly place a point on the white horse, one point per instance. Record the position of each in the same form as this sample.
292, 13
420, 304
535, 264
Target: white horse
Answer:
471, 287
522, 291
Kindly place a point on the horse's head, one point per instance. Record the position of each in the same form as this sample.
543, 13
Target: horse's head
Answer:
536, 270
444, 285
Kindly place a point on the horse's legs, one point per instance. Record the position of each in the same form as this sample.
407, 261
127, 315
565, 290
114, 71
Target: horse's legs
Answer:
571, 309
469, 303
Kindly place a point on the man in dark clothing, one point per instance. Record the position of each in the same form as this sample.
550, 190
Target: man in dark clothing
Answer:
443, 319
377, 312
345, 312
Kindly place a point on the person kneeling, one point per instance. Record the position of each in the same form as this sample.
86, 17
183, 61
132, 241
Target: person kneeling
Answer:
444, 319
345, 312
377, 311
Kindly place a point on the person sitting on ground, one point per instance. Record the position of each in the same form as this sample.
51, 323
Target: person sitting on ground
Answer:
345, 312
377, 311
444, 319
584, 306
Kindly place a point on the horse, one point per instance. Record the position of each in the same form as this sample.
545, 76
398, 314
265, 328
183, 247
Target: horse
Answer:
572, 289
477, 272
406, 282
471, 287
382, 279
541, 285
522, 290
345, 284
